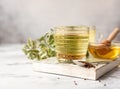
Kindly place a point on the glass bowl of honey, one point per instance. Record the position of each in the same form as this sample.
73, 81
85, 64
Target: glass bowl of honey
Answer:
102, 52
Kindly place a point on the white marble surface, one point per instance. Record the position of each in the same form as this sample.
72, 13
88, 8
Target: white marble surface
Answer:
16, 73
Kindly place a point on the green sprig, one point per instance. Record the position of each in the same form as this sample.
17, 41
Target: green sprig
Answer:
41, 48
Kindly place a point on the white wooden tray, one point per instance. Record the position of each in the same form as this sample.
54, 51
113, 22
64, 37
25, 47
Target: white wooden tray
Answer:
53, 67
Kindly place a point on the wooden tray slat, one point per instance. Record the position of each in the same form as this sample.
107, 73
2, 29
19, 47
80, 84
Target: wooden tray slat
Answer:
53, 67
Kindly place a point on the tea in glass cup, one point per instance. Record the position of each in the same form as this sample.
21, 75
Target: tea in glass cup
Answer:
71, 42
92, 33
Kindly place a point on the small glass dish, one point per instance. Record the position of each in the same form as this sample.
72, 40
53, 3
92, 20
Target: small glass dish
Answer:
102, 52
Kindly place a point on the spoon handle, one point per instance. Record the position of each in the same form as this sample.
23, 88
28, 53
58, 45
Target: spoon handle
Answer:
113, 34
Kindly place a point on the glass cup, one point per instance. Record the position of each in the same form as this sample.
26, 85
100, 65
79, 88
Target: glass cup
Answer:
92, 38
71, 42
92, 33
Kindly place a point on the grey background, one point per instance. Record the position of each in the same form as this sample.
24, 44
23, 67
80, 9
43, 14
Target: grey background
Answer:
21, 19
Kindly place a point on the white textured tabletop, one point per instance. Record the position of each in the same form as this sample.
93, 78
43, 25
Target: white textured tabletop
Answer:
16, 73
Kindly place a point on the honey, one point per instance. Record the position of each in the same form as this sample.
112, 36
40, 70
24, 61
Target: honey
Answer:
104, 52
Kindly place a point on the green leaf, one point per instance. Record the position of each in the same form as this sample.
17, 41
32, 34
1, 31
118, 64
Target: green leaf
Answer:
41, 38
40, 48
